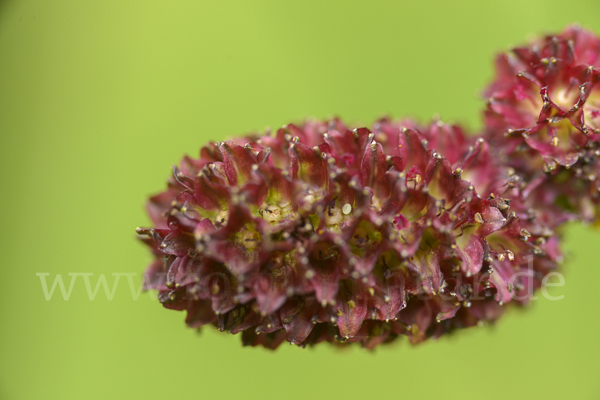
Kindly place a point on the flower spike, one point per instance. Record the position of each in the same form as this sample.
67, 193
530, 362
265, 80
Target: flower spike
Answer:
322, 233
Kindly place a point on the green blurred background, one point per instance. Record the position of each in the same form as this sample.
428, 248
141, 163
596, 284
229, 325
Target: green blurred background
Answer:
99, 98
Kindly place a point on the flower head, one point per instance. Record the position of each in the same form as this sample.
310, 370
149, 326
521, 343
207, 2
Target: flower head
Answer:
318, 232
543, 117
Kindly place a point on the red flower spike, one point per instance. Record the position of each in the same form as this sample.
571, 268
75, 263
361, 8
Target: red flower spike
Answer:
543, 119
318, 233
